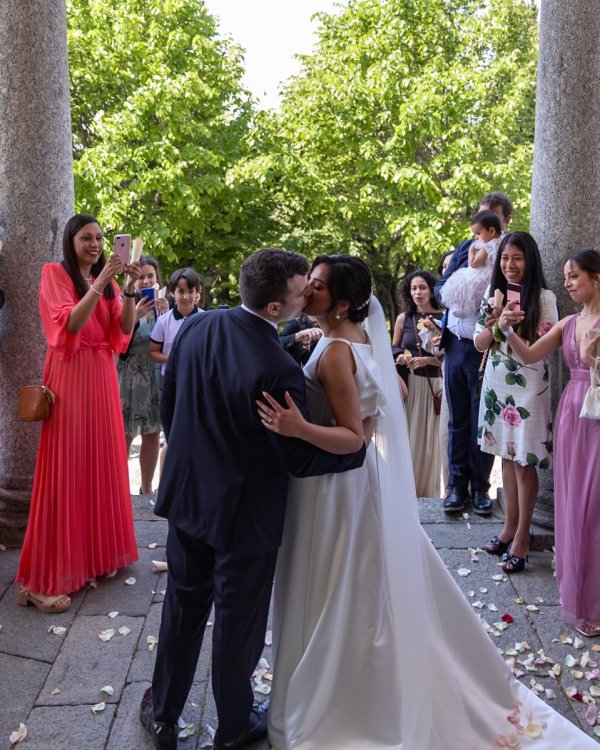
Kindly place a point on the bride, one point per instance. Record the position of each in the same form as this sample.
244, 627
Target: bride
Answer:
374, 644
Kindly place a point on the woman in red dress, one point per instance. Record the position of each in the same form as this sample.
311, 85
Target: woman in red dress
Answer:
80, 523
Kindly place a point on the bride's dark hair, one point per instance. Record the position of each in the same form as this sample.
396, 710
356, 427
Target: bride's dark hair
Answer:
349, 280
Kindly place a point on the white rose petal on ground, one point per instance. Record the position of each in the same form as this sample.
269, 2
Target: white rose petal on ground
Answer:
106, 635
186, 731
153, 545
550, 694
19, 735
108, 689
159, 566
578, 643
112, 574
56, 691
576, 674
124, 630
477, 605
112, 615
130, 581
595, 691
262, 689
532, 608
98, 707
151, 640
492, 607
2, 548
566, 640
268, 638
498, 577
483, 590
57, 629
463, 572
591, 715
597, 730
570, 661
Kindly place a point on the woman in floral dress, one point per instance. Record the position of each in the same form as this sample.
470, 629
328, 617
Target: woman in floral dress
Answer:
514, 412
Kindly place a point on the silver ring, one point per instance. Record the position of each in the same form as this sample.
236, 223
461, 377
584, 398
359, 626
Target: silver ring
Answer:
269, 420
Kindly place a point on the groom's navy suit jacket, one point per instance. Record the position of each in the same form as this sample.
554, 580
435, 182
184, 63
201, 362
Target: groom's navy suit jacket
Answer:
225, 476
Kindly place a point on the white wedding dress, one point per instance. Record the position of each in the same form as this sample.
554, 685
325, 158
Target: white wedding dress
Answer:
374, 644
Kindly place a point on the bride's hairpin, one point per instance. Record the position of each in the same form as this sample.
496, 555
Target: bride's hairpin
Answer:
365, 303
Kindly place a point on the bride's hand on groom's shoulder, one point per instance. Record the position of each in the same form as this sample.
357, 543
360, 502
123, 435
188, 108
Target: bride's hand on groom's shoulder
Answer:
279, 419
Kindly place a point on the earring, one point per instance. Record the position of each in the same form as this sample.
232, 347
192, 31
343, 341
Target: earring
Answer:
337, 316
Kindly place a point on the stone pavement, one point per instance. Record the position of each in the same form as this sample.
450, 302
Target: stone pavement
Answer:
49, 681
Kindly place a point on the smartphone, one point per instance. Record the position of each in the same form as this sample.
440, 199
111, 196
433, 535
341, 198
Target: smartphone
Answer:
122, 246
513, 293
591, 333
149, 293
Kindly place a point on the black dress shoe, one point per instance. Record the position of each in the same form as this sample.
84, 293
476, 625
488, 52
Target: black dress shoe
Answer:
455, 500
164, 734
256, 730
481, 503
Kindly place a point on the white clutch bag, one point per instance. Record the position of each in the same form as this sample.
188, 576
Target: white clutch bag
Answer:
590, 409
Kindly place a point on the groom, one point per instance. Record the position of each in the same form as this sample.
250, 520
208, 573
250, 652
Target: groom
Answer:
223, 491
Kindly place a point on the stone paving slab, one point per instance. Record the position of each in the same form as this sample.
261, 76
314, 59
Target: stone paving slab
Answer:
21, 683
114, 594
86, 664
67, 728
152, 532
9, 561
128, 734
25, 629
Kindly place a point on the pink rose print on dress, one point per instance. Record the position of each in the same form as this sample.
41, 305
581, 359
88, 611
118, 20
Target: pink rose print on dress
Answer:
510, 415
543, 328
511, 449
488, 439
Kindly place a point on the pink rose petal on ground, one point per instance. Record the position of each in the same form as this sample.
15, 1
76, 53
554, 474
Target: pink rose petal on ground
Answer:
19, 735
591, 715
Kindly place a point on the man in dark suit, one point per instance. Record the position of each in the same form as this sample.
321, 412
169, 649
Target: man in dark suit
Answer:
468, 465
223, 490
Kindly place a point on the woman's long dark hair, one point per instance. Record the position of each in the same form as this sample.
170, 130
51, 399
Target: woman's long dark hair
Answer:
70, 263
409, 303
531, 286
349, 280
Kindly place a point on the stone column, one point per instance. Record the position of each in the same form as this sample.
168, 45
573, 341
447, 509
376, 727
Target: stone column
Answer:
565, 211
36, 199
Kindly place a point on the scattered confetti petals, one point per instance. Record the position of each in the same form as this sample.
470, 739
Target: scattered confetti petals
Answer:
108, 689
492, 607
130, 581
112, 615
578, 643
591, 715
577, 674
497, 577
57, 629
550, 694
463, 572
565, 640
532, 608
19, 735
483, 590
153, 545
98, 707
106, 635
124, 630
570, 661
186, 731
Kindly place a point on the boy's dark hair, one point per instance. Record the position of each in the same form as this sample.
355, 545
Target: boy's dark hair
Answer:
350, 281
188, 274
407, 297
264, 276
70, 262
488, 220
440, 268
495, 199
532, 284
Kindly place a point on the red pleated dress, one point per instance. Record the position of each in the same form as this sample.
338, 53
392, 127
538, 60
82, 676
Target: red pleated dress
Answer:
80, 522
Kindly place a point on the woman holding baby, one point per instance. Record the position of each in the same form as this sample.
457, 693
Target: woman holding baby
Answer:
514, 414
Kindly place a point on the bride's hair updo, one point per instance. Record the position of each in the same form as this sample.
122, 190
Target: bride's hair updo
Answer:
349, 280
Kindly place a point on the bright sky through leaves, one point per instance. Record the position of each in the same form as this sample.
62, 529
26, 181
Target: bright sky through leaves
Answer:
272, 32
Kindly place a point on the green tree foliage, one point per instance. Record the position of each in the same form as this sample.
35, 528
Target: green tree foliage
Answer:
160, 120
406, 113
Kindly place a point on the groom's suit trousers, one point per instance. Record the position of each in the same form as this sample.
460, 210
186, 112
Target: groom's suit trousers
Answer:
240, 589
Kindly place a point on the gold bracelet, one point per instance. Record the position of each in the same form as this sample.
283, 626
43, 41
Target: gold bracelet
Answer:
93, 288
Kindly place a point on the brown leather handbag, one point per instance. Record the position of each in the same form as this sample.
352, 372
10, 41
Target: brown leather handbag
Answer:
34, 403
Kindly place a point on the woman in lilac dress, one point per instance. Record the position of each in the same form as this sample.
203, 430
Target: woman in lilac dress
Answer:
577, 444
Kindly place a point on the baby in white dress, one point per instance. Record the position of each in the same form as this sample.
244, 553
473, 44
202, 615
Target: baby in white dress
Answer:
463, 291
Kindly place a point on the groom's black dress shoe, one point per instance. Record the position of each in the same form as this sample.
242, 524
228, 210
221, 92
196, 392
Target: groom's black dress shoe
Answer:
256, 730
455, 499
481, 503
163, 733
